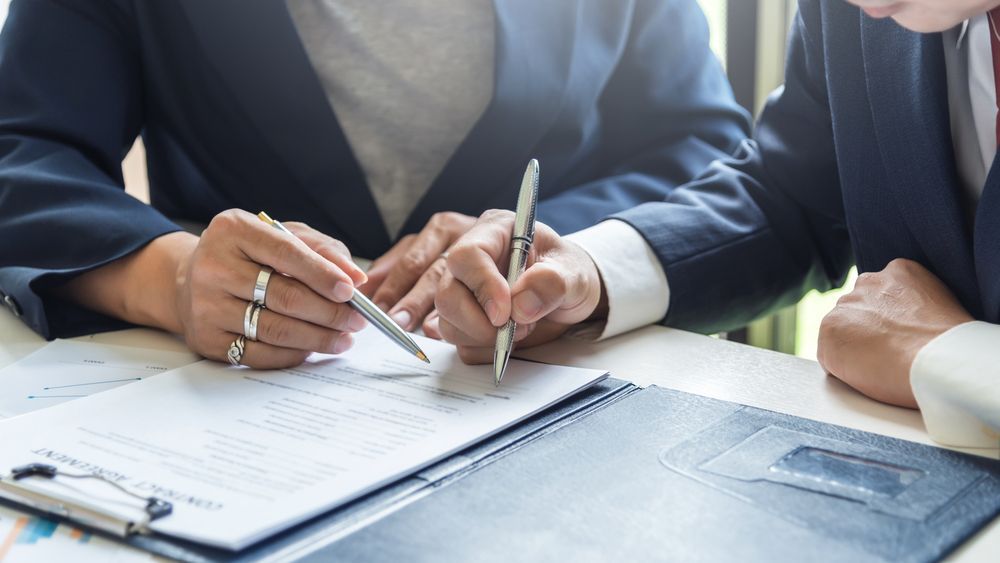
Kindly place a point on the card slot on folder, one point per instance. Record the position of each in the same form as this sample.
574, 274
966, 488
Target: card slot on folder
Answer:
835, 481
890, 483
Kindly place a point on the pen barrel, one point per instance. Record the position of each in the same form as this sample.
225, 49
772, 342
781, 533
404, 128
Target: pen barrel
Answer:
379, 320
519, 251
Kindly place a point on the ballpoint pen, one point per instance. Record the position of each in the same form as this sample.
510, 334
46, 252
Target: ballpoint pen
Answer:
368, 310
520, 246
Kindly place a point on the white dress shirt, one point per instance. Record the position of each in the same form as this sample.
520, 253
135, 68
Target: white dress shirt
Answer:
956, 377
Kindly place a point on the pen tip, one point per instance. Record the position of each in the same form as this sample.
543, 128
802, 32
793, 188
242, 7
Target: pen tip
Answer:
423, 357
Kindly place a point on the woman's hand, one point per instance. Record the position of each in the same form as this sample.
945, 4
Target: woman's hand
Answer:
200, 288
403, 281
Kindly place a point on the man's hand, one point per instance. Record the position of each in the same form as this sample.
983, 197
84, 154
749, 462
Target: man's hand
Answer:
560, 287
404, 279
872, 336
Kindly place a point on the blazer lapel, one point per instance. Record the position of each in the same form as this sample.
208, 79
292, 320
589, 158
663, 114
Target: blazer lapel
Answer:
907, 89
529, 84
987, 244
255, 47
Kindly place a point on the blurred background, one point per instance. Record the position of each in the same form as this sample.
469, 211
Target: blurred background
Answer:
749, 38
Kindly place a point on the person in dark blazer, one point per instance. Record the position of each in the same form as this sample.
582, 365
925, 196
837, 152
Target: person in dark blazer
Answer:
386, 130
879, 150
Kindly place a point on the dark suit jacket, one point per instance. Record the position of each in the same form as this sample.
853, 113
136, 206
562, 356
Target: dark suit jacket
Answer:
621, 101
851, 161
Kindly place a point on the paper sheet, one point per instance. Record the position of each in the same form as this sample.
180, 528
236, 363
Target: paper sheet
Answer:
243, 454
31, 539
64, 370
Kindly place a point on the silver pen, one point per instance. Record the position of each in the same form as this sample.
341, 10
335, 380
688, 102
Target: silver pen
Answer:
520, 246
368, 310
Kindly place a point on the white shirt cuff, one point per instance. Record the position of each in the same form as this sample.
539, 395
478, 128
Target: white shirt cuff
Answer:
637, 289
956, 381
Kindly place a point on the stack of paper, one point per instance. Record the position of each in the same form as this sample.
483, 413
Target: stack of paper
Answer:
243, 454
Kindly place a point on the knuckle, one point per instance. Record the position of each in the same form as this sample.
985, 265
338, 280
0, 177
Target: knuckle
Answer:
414, 261
462, 252
275, 331
286, 246
337, 315
284, 297
550, 279
227, 219
497, 215
328, 340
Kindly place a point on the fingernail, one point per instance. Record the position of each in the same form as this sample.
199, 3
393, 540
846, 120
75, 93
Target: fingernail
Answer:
356, 322
492, 311
343, 344
402, 318
527, 304
343, 291
432, 328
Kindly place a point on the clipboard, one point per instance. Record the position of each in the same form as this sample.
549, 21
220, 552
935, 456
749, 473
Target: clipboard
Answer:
19, 490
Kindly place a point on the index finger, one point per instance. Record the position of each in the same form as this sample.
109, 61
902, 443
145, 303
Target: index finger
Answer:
289, 255
474, 261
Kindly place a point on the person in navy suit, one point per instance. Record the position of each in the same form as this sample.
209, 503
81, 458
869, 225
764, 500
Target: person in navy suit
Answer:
879, 150
385, 130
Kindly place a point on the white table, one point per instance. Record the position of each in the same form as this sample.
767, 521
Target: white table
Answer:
673, 359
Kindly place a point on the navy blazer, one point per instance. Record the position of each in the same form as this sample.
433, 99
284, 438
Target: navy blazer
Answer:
852, 161
621, 101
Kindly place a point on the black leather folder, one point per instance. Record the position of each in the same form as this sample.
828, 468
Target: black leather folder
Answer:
659, 475
618, 473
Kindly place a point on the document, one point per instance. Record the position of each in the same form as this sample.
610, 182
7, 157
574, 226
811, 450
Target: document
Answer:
64, 370
243, 454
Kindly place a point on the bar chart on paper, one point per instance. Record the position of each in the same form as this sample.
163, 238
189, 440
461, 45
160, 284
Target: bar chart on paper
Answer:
65, 370
28, 538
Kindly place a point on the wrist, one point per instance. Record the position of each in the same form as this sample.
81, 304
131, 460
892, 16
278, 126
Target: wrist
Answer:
140, 288
156, 276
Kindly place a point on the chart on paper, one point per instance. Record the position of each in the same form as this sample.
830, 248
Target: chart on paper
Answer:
30, 538
65, 370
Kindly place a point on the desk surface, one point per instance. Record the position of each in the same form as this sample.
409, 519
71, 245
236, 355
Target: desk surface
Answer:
667, 358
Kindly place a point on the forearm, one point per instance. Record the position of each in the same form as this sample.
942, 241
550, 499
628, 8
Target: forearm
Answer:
141, 287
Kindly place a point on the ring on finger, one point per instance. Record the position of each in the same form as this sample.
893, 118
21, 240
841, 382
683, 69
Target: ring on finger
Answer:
260, 287
236, 350
250, 319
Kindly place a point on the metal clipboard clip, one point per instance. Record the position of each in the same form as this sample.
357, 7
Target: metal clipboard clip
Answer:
15, 487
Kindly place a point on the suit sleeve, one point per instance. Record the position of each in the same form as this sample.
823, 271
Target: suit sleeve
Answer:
70, 107
756, 231
666, 113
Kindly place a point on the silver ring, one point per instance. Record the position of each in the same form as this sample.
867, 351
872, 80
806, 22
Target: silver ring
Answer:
250, 318
260, 288
236, 350
444, 256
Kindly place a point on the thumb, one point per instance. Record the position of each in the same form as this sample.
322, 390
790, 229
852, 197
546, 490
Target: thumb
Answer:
559, 288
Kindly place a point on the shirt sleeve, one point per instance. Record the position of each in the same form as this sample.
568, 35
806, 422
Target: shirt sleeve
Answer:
637, 289
956, 381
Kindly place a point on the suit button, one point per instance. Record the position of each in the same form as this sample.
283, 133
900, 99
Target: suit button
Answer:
8, 300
